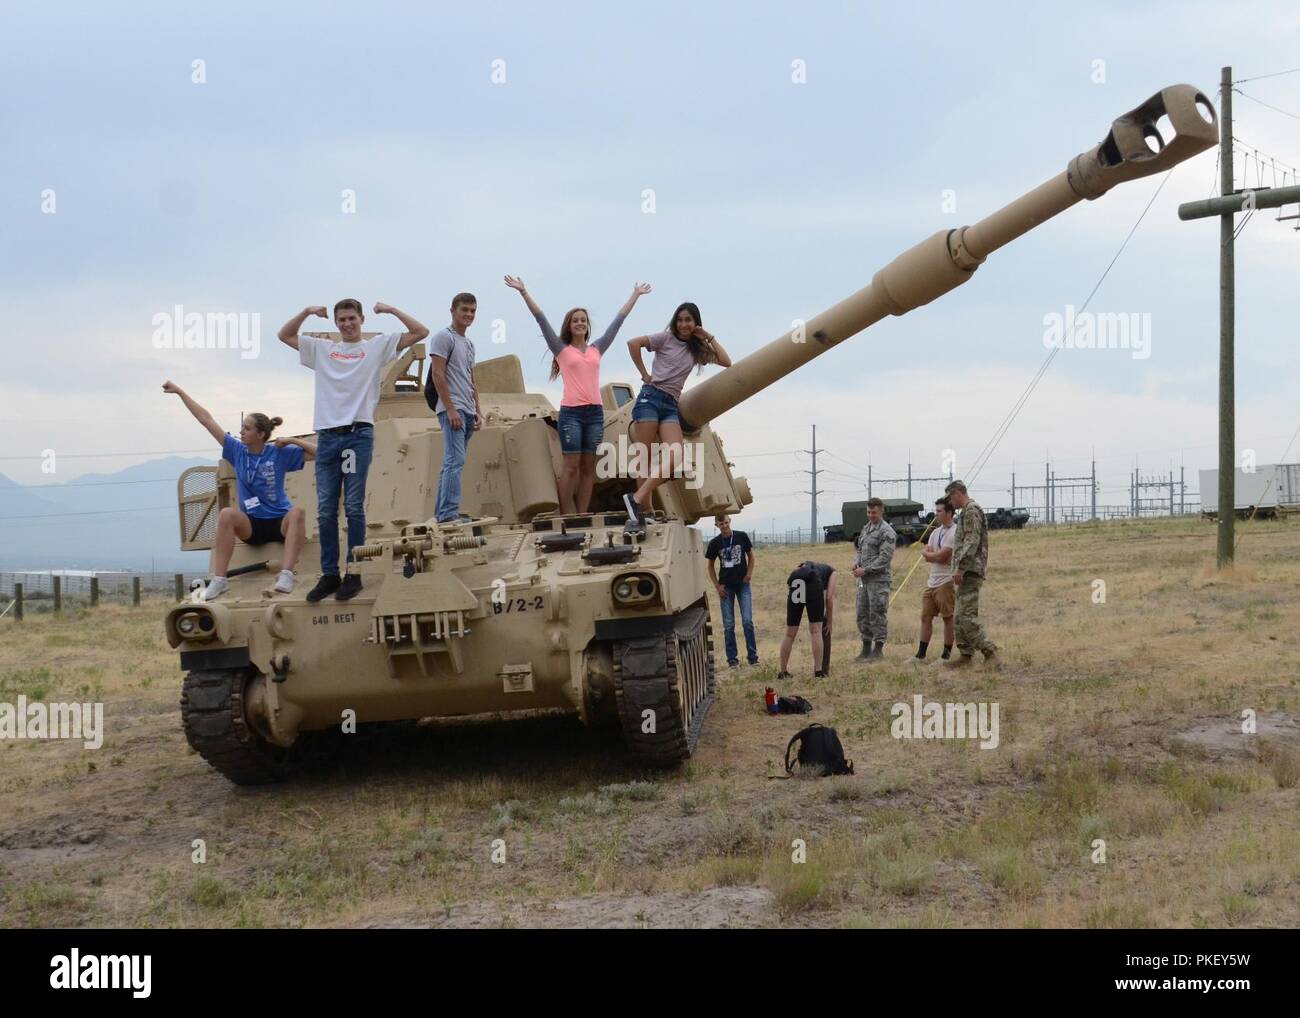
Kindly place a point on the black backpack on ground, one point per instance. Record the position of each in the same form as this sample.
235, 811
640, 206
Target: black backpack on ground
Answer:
819, 746
792, 705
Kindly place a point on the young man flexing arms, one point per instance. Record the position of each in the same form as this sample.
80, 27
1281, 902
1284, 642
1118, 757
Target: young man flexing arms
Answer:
348, 376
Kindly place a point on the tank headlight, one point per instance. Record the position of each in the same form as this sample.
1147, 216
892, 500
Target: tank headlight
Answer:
636, 590
197, 624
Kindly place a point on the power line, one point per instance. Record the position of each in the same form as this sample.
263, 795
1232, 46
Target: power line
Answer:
85, 484
982, 459
98, 512
1261, 77
111, 455
1275, 109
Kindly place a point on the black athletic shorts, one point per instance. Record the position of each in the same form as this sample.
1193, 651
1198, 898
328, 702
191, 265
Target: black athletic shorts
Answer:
813, 598
265, 531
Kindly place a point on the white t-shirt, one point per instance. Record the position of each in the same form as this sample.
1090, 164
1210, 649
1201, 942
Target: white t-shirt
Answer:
348, 376
941, 537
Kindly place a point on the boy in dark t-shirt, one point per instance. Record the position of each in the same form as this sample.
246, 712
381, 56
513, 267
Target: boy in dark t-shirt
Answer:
811, 585
736, 553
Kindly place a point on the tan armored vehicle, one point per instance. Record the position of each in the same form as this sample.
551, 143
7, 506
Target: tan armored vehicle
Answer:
525, 611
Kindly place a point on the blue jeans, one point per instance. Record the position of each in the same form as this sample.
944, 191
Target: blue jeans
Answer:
729, 596
454, 444
581, 428
653, 404
335, 469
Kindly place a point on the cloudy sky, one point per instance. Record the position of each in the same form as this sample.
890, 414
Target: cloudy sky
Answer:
130, 188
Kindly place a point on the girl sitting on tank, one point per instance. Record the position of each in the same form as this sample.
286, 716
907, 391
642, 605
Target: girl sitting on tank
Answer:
656, 422
265, 513
582, 418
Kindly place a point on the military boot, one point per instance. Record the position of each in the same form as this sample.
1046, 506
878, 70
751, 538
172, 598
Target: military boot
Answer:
991, 659
866, 652
960, 661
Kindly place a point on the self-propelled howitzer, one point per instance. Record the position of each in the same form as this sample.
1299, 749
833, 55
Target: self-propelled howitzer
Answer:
525, 611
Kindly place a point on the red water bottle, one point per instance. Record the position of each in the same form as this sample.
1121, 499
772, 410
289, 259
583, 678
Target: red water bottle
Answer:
770, 697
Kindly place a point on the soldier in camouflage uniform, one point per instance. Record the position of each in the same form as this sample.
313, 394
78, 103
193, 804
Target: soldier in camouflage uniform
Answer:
873, 568
969, 561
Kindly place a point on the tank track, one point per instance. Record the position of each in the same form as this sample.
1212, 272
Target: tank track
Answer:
671, 674
212, 713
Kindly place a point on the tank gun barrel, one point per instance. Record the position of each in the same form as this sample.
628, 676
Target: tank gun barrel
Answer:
1135, 147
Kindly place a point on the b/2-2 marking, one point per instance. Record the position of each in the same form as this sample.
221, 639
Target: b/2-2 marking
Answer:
517, 604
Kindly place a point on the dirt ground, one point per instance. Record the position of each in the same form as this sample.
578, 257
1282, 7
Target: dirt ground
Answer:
1123, 790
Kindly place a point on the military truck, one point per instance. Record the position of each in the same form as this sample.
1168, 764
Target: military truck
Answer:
1007, 519
522, 610
902, 514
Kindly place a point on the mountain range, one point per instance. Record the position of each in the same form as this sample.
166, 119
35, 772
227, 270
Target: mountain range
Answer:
121, 520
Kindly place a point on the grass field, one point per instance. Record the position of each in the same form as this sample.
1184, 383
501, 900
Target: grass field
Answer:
1120, 722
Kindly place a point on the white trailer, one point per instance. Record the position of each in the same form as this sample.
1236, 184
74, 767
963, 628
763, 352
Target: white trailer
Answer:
1268, 486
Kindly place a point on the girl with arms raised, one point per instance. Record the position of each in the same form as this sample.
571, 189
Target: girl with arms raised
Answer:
582, 418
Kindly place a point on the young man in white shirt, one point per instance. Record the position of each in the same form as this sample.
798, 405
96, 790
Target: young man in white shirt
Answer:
348, 376
939, 595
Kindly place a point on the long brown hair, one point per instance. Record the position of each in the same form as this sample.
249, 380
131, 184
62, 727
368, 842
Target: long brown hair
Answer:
566, 337
699, 352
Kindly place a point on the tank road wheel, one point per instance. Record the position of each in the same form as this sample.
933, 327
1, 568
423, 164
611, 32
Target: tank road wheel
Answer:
672, 675
212, 711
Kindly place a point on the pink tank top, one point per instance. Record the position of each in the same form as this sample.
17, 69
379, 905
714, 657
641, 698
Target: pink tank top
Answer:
581, 371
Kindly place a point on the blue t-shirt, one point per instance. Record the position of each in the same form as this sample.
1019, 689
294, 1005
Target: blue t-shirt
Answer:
261, 477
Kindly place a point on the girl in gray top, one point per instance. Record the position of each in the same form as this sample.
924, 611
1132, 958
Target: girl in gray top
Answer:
582, 420
656, 423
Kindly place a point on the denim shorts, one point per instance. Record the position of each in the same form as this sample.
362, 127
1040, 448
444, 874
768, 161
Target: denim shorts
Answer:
655, 405
581, 428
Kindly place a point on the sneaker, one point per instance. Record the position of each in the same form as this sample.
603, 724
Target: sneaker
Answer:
326, 585
783, 675
217, 586
733, 664
284, 583
349, 588
753, 662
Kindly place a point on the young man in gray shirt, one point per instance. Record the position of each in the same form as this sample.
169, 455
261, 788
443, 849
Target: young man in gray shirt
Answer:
457, 405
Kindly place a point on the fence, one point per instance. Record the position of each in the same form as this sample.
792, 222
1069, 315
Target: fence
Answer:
1063, 515
44, 590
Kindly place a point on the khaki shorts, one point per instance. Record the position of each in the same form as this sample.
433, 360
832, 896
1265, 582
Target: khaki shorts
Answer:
938, 601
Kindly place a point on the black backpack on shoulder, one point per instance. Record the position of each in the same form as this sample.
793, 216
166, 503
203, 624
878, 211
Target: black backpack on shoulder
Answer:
819, 746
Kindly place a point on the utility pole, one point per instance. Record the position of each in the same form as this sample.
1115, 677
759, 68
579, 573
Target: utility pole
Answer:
1227, 339
1093, 487
814, 472
1226, 206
